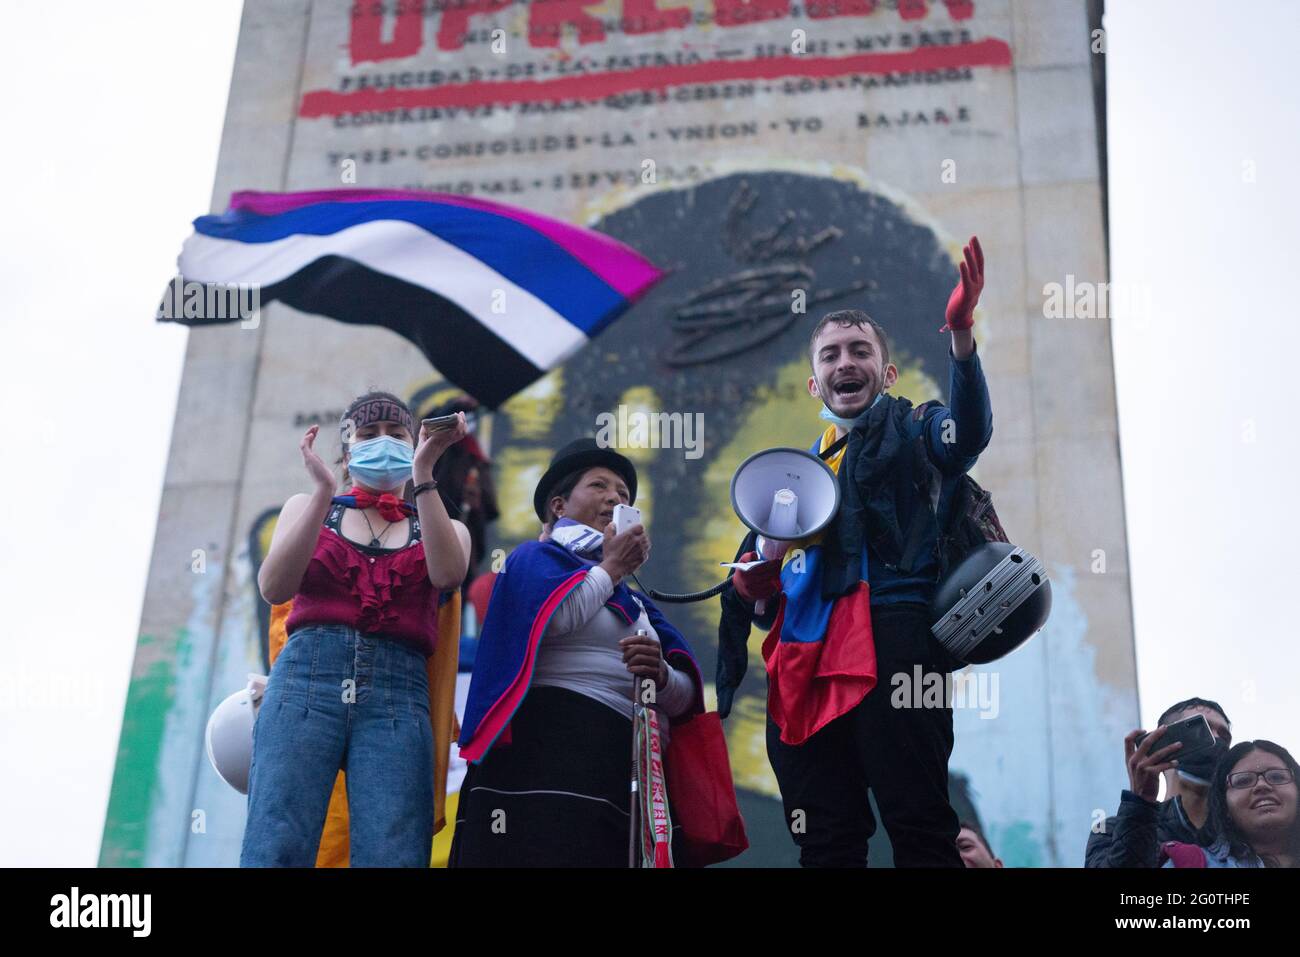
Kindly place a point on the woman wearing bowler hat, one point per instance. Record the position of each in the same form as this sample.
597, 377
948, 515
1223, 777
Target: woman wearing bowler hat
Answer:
547, 727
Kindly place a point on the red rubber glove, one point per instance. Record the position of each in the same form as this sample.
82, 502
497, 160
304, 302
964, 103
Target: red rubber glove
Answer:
761, 581
960, 313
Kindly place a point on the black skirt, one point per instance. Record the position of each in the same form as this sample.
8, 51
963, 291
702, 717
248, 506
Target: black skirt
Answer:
558, 795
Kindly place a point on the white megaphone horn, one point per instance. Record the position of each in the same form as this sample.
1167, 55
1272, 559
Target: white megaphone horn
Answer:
783, 494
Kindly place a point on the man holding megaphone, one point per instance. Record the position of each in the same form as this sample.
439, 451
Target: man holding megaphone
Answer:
848, 608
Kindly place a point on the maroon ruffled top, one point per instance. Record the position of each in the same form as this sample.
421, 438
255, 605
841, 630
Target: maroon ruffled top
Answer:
379, 592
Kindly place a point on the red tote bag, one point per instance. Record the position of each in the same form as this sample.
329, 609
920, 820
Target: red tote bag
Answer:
698, 775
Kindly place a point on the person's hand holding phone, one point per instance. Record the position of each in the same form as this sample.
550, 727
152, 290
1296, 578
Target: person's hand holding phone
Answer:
432, 443
1146, 764
624, 553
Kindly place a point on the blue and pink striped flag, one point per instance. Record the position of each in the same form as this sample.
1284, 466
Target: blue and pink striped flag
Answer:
495, 296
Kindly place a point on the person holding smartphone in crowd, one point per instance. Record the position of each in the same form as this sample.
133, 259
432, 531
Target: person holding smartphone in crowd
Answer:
1132, 838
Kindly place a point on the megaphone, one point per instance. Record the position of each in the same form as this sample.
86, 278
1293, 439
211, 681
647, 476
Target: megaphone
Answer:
783, 494
229, 734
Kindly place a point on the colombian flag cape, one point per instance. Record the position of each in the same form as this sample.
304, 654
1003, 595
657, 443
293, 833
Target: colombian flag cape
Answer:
441, 668
536, 578
820, 655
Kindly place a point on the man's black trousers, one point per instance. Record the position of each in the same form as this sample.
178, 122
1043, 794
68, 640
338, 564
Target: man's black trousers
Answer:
900, 754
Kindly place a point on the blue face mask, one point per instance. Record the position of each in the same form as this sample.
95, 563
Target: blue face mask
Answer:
848, 424
381, 463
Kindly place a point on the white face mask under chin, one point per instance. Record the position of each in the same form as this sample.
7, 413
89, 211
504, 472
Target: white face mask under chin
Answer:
844, 423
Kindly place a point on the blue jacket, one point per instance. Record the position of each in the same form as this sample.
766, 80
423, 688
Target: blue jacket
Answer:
968, 425
972, 427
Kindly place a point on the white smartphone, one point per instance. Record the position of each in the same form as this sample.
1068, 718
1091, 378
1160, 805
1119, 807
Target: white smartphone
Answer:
625, 517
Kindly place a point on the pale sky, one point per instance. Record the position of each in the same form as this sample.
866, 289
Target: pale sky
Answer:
112, 122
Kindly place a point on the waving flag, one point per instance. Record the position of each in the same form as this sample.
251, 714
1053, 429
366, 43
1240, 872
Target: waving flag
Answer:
495, 296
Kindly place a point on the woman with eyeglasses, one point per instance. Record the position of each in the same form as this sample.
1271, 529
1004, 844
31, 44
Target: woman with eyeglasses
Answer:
1253, 799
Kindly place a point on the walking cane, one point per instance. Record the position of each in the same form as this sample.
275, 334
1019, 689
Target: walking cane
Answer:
634, 822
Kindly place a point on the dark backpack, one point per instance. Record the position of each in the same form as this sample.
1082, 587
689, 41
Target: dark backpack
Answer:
972, 520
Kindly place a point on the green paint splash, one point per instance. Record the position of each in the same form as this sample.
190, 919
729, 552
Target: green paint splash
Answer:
148, 700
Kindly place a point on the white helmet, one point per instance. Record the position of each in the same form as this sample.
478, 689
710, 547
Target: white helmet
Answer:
230, 733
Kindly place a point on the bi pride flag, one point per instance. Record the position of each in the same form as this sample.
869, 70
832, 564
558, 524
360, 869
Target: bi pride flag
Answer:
495, 296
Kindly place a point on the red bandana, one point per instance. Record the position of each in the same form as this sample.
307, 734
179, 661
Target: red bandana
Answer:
391, 508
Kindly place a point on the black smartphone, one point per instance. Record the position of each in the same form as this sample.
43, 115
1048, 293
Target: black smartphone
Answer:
440, 423
1194, 732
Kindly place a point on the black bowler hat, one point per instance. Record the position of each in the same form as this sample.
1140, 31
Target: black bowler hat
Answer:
583, 454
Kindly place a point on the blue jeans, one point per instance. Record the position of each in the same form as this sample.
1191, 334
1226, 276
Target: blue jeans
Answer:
339, 700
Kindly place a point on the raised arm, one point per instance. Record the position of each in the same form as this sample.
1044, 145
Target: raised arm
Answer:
297, 529
957, 435
446, 541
